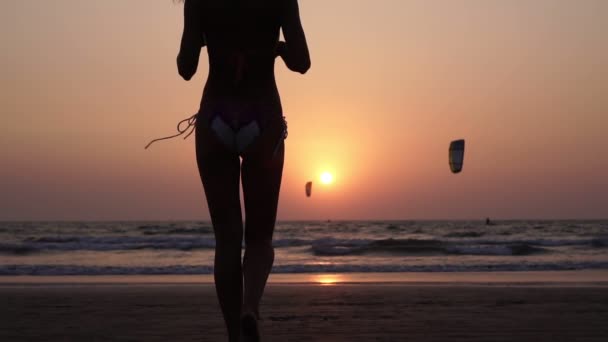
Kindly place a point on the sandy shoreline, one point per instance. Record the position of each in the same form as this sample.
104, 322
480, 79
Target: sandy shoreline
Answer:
308, 312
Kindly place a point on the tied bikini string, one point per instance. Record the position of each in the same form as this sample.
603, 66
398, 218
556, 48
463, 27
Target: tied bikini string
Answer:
188, 130
281, 139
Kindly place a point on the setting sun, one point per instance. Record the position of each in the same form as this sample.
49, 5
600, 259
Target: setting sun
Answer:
327, 178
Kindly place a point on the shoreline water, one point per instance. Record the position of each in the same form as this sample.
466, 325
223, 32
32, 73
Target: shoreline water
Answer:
526, 278
377, 250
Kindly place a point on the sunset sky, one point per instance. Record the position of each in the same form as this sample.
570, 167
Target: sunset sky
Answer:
86, 84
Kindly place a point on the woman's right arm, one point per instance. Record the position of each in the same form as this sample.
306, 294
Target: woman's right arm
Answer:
192, 40
294, 50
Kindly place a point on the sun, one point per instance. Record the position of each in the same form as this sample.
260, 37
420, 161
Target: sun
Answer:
327, 178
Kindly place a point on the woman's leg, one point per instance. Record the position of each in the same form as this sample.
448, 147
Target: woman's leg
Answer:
220, 170
262, 171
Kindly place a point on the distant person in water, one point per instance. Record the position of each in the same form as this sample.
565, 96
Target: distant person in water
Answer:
240, 116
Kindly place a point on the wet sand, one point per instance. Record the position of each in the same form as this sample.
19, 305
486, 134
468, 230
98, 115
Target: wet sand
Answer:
309, 312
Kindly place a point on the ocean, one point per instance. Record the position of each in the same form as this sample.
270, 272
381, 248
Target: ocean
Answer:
187, 248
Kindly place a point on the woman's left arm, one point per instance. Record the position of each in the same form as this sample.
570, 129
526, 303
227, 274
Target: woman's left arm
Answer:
192, 40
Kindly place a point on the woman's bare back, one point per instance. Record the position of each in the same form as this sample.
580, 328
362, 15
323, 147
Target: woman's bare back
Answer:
242, 40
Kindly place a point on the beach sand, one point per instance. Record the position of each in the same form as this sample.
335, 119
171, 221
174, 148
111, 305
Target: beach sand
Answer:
309, 312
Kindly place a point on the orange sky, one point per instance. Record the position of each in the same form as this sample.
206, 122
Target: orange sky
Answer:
86, 84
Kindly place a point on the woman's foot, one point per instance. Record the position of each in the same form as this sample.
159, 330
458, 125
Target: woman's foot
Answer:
249, 328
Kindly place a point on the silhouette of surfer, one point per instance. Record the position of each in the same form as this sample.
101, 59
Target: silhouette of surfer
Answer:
240, 116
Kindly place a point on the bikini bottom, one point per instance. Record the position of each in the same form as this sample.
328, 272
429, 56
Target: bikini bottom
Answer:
236, 138
239, 138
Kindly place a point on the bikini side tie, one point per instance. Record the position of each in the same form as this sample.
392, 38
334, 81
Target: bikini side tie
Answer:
282, 138
191, 126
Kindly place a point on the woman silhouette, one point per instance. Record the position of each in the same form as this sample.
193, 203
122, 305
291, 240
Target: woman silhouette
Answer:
240, 116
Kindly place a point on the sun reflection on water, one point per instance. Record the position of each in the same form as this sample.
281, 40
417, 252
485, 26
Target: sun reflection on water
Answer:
327, 279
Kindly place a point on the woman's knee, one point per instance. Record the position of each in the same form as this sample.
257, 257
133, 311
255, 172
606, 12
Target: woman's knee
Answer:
259, 243
229, 240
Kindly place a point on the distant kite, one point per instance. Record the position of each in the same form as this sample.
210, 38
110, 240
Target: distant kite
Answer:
456, 155
308, 189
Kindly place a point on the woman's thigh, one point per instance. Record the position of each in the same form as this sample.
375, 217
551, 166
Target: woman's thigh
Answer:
262, 171
219, 170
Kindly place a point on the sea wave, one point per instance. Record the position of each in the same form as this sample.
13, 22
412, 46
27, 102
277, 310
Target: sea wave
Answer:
334, 247
106, 243
511, 249
599, 242
466, 234
317, 247
152, 229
